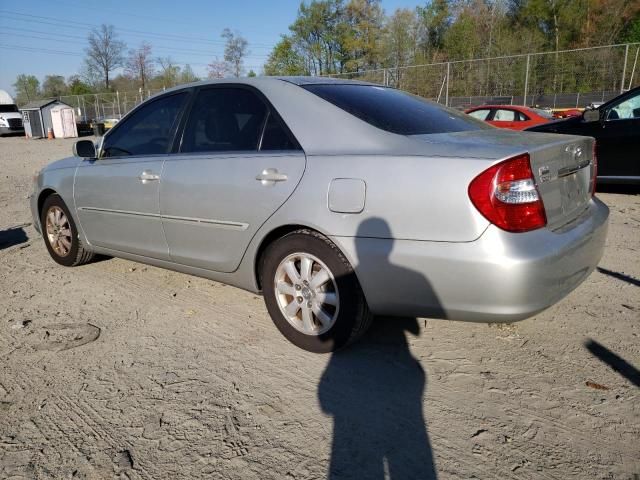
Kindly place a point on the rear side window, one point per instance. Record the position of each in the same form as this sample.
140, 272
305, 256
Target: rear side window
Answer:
275, 137
224, 119
503, 115
148, 131
395, 111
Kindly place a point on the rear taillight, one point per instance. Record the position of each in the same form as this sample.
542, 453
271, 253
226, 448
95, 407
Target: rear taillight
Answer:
506, 194
594, 170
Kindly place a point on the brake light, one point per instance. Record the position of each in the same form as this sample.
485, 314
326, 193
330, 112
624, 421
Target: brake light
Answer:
594, 170
507, 196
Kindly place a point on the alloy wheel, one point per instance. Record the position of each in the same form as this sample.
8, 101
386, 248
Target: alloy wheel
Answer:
307, 293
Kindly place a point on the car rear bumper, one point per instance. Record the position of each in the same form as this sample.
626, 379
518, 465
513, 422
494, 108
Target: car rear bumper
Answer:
500, 277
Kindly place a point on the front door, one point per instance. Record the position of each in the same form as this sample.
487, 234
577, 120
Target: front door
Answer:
237, 165
618, 139
117, 195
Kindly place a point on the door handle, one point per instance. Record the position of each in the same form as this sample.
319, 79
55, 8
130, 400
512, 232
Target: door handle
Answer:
270, 176
148, 176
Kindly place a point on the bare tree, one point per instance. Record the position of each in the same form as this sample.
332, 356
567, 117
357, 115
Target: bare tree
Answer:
169, 71
235, 50
218, 69
140, 65
104, 53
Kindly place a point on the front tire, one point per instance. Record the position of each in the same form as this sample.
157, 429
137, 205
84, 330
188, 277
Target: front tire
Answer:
312, 293
61, 235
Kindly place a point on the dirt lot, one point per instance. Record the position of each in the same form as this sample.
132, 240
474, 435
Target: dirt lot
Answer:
119, 370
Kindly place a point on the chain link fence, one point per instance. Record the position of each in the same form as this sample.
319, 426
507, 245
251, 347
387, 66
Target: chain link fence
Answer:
563, 79
97, 106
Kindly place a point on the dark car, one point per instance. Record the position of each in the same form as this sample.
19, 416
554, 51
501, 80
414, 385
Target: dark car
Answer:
616, 128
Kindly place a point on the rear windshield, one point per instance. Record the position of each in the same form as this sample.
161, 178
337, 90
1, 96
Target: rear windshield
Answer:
8, 108
395, 111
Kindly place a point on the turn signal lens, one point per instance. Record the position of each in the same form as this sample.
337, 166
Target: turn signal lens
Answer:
507, 196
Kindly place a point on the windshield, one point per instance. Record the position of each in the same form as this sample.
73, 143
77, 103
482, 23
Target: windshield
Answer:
8, 108
543, 113
395, 111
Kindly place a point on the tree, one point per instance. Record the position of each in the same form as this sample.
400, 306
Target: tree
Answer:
401, 38
362, 34
54, 86
140, 65
187, 75
27, 88
285, 59
251, 74
235, 50
218, 69
77, 86
435, 19
170, 72
104, 53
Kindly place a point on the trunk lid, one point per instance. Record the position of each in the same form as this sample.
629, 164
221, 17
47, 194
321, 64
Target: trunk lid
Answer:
562, 165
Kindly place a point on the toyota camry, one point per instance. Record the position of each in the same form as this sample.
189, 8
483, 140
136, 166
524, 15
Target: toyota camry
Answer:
337, 200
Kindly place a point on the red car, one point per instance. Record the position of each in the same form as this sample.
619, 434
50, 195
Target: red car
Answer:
514, 117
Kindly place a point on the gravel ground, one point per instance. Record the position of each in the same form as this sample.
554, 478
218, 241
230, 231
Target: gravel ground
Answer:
120, 370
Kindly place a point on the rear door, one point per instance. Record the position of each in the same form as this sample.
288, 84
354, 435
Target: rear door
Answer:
238, 163
117, 195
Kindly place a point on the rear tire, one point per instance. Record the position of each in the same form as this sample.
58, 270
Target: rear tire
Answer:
312, 293
61, 235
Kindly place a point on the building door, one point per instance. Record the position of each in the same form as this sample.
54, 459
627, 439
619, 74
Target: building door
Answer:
36, 124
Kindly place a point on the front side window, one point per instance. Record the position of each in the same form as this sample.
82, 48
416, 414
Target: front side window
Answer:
629, 108
224, 119
148, 131
395, 111
481, 114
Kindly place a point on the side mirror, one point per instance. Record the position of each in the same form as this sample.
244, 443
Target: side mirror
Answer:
591, 115
84, 149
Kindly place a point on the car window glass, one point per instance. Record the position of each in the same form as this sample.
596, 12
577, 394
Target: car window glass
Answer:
275, 137
480, 114
224, 119
629, 108
543, 113
503, 115
395, 111
148, 131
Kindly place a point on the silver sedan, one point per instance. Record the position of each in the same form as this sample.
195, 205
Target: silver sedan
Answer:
337, 200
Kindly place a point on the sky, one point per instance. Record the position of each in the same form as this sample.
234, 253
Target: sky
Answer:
44, 37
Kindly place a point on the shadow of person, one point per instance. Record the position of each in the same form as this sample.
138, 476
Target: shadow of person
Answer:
374, 390
12, 236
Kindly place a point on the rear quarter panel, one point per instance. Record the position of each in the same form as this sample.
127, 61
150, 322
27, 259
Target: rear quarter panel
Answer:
420, 198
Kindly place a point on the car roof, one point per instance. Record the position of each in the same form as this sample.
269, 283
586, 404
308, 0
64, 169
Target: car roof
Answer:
261, 81
500, 106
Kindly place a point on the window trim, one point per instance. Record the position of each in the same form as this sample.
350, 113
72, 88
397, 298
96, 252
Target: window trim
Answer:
127, 117
177, 146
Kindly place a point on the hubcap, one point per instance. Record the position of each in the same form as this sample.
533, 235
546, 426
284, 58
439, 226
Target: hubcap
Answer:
307, 293
58, 231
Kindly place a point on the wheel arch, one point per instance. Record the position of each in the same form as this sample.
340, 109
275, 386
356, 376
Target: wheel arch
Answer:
44, 194
274, 235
